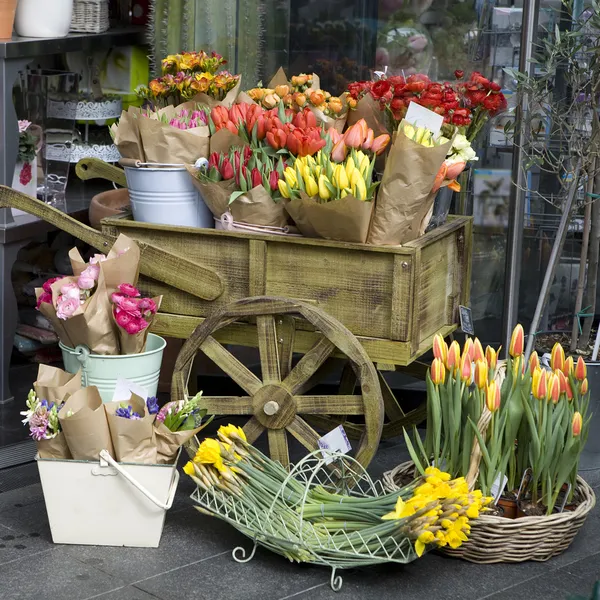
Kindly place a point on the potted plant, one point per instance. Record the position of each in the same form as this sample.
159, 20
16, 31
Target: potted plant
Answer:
25, 175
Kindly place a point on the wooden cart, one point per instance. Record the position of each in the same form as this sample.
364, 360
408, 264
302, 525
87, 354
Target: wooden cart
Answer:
287, 295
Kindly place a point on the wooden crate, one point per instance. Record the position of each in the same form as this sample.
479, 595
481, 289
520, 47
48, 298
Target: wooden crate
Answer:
395, 299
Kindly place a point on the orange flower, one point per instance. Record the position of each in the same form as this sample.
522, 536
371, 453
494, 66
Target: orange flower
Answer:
539, 386
380, 143
557, 359
440, 348
300, 99
453, 360
517, 341
466, 368
468, 348
356, 134
481, 374
282, 90
317, 97
478, 350
352, 102
564, 382
569, 366
553, 388
534, 361
580, 369
271, 100
577, 424
492, 358
492, 397
335, 105
584, 387
438, 371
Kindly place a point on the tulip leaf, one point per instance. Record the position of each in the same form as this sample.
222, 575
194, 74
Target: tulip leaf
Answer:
413, 454
235, 195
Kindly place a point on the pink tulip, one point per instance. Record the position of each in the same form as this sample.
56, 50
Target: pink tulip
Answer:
368, 140
338, 154
455, 169
355, 135
380, 143
334, 134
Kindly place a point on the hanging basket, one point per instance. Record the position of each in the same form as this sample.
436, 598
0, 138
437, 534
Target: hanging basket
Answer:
496, 539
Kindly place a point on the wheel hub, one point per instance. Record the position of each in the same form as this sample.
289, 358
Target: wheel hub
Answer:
274, 406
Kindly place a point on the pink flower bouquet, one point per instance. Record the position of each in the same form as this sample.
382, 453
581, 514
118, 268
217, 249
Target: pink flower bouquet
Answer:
133, 316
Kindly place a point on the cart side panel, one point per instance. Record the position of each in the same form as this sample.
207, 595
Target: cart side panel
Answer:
353, 286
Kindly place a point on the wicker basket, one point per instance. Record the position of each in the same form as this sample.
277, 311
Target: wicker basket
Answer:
498, 540
90, 16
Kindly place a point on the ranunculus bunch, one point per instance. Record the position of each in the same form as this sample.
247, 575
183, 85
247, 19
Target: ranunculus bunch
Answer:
186, 119
359, 137
42, 418
320, 177
132, 313
192, 62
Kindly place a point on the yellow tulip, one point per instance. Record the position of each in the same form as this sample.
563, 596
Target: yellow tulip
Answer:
323, 191
359, 189
350, 167
344, 192
317, 171
290, 177
340, 177
312, 189
364, 165
284, 190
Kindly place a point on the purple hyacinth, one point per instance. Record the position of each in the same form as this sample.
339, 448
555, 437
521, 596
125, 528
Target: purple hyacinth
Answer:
152, 404
127, 413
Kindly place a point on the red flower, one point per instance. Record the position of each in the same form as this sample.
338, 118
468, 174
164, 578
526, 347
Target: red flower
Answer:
226, 169
213, 160
397, 107
46, 286
380, 89
273, 179
476, 98
220, 116
25, 174
459, 74
397, 81
417, 83
45, 297
238, 113
305, 119
277, 138
247, 154
495, 87
357, 88
256, 177
494, 103
461, 117
304, 143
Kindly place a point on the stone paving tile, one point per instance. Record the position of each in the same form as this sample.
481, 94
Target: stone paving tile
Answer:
21, 497
53, 575
16, 544
129, 592
188, 536
554, 586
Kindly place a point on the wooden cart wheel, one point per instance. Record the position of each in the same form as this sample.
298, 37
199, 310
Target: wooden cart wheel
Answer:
276, 403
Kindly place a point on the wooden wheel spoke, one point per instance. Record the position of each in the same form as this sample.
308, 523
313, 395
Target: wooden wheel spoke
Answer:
278, 446
304, 433
249, 382
268, 348
392, 408
253, 429
227, 405
308, 365
330, 405
286, 332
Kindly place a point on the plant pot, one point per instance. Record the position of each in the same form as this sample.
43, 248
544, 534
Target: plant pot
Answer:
25, 180
107, 204
43, 18
7, 18
508, 506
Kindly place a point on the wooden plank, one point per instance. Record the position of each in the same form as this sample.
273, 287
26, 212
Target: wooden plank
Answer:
278, 446
391, 406
268, 348
304, 433
253, 429
435, 235
286, 329
402, 289
227, 405
330, 405
308, 364
415, 301
324, 423
232, 366
414, 417
257, 278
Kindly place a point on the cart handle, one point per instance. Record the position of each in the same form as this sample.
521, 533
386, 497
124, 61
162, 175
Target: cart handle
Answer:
94, 168
172, 269
104, 455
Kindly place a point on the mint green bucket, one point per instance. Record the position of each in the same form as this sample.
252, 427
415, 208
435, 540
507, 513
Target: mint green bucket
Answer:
103, 370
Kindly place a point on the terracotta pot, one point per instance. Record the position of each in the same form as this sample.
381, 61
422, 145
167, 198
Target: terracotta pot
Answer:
509, 507
7, 18
107, 204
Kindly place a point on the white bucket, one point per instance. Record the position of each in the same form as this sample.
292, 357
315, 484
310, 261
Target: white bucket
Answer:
43, 18
104, 370
107, 503
166, 196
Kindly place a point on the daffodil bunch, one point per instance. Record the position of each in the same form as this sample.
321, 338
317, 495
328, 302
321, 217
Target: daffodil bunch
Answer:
321, 178
255, 492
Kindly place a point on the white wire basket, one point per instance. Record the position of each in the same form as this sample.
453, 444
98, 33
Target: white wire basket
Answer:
90, 16
337, 550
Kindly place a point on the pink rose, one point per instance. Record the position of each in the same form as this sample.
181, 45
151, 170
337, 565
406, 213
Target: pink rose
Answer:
70, 290
66, 306
97, 258
129, 290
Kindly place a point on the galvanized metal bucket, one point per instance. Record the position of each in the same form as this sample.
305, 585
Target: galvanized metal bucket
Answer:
164, 194
103, 371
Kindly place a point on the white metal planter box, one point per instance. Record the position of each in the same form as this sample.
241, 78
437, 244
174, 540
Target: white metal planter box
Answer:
106, 503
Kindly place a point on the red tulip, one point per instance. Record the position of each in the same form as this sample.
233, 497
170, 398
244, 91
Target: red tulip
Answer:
232, 127
238, 113
577, 424
304, 119
517, 341
213, 160
247, 154
220, 116
580, 369
255, 177
439, 178
226, 169
277, 138
273, 180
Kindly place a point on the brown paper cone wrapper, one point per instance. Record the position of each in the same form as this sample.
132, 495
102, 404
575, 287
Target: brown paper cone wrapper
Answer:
126, 135
136, 344
368, 109
134, 440
404, 197
168, 442
223, 141
280, 78
243, 98
55, 385
346, 219
55, 448
257, 207
86, 430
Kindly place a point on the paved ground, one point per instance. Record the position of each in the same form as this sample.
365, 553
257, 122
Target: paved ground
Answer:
194, 562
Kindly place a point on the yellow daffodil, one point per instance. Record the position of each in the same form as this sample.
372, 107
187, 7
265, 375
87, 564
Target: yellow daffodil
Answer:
188, 468
231, 432
209, 453
401, 511
427, 537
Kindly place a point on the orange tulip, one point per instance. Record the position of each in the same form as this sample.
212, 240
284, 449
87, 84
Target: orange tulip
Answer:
481, 374
534, 362
580, 369
478, 353
557, 359
584, 387
492, 397
577, 424
468, 349
539, 384
564, 382
492, 358
440, 348
356, 134
338, 154
455, 169
553, 388
569, 366
454, 186
517, 341
438, 371
366, 145
466, 368
453, 360
439, 178
380, 143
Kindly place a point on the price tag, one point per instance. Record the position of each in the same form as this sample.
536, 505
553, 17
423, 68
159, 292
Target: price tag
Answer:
498, 486
466, 320
334, 441
419, 116
125, 388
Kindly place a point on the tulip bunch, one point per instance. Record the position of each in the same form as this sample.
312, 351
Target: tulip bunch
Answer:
192, 62
188, 119
297, 98
320, 178
537, 418
430, 512
359, 137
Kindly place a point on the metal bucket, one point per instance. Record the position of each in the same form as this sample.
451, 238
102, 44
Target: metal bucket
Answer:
166, 196
103, 370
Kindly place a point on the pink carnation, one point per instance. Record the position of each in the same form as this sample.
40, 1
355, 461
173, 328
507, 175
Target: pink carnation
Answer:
66, 306
129, 290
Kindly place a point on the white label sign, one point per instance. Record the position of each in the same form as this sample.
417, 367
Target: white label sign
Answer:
498, 486
419, 116
125, 388
334, 441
